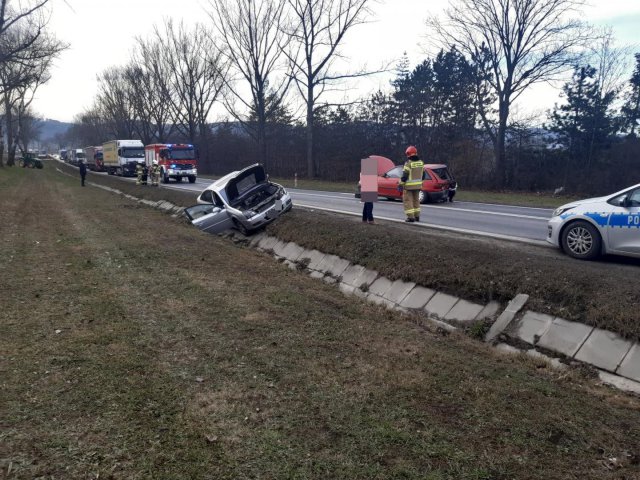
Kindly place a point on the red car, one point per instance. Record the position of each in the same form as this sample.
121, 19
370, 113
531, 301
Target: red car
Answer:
435, 187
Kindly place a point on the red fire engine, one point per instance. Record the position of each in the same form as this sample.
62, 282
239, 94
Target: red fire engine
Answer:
176, 160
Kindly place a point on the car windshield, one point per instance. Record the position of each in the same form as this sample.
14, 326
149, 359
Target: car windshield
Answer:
394, 172
79, 155
443, 173
133, 152
182, 154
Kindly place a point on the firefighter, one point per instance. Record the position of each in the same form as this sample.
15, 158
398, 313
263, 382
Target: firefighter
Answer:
155, 173
141, 175
411, 183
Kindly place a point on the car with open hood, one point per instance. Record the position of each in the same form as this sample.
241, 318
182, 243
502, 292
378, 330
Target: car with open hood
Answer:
587, 228
245, 200
435, 186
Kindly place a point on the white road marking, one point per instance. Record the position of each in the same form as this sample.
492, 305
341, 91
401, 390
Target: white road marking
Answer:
454, 209
539, 243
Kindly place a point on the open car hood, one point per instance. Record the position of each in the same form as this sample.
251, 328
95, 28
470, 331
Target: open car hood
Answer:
384, 164
245, 180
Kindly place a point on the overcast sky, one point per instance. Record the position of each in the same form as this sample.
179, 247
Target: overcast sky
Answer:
101, 34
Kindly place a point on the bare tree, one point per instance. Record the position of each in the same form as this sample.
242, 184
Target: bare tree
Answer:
152, 102
253, 33
318, 30
114, 102
521, 42
26, 52
193, 76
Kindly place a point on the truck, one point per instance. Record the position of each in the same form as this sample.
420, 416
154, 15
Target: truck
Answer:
76, 155
94, 158
121, 157
64, 155
176, 160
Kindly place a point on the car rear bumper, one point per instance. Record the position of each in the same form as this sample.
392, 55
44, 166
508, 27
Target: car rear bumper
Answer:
438, 196
268, 216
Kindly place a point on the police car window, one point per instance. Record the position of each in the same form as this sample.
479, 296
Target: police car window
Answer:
206, 196
635, 197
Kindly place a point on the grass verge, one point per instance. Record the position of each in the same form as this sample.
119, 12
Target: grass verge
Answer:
133, 346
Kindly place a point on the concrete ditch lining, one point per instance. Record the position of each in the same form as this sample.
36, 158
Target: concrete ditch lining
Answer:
617, 360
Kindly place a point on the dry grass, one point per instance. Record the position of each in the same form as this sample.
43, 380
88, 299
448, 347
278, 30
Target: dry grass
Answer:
133, 346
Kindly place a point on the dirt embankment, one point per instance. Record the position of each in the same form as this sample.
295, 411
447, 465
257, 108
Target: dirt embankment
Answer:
602, 293
134, 346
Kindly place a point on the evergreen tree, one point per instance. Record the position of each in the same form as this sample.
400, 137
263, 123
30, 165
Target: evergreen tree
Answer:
585, 123
631, 107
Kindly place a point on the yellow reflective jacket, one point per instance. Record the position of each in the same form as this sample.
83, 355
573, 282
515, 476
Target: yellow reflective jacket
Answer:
412, 174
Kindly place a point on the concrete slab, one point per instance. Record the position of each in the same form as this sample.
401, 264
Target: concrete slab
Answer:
518, 302
351, 273
291, 265
554, 362
489, 311
360, 294
278, 248
399, 289
267, 242
620, 382
506, 348
565, 337
380, 300
292, 251
604, 349
315, 258
380, 286
367, 277
334, 265
323, 265
417, 298
346, 288
255, 239
464, 311
440, 304
630, 366
530, 327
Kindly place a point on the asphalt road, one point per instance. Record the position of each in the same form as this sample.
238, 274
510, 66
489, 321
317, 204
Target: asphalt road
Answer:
525, 224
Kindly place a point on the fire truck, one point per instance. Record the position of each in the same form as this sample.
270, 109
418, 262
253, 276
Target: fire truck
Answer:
176, 160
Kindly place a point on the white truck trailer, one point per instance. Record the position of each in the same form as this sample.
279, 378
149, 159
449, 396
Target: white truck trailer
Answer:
120, 157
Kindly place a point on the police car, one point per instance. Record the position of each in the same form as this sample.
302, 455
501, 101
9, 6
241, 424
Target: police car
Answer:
587, 228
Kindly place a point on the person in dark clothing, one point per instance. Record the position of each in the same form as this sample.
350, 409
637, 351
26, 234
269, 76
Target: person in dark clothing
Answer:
367, 213
453, 186
83, 171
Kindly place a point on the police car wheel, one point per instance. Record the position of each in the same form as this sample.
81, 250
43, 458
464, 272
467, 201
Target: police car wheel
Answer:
581, 240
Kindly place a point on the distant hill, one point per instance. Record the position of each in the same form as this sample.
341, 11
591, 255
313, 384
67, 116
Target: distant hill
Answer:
50, 128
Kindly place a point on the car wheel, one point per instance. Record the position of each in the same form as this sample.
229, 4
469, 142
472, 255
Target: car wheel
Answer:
581, 240
423, 197
192, 179
178, 179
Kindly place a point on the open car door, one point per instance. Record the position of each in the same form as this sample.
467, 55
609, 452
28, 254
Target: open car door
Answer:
209, 218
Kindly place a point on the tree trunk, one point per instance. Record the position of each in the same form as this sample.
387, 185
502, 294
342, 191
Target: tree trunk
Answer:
500, 145
1, 147
11, 159
311, 170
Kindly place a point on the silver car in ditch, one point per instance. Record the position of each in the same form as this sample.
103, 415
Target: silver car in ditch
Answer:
587, 228
245, 200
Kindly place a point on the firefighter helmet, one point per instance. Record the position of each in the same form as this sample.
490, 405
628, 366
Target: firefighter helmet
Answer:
155, 162
411, 151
